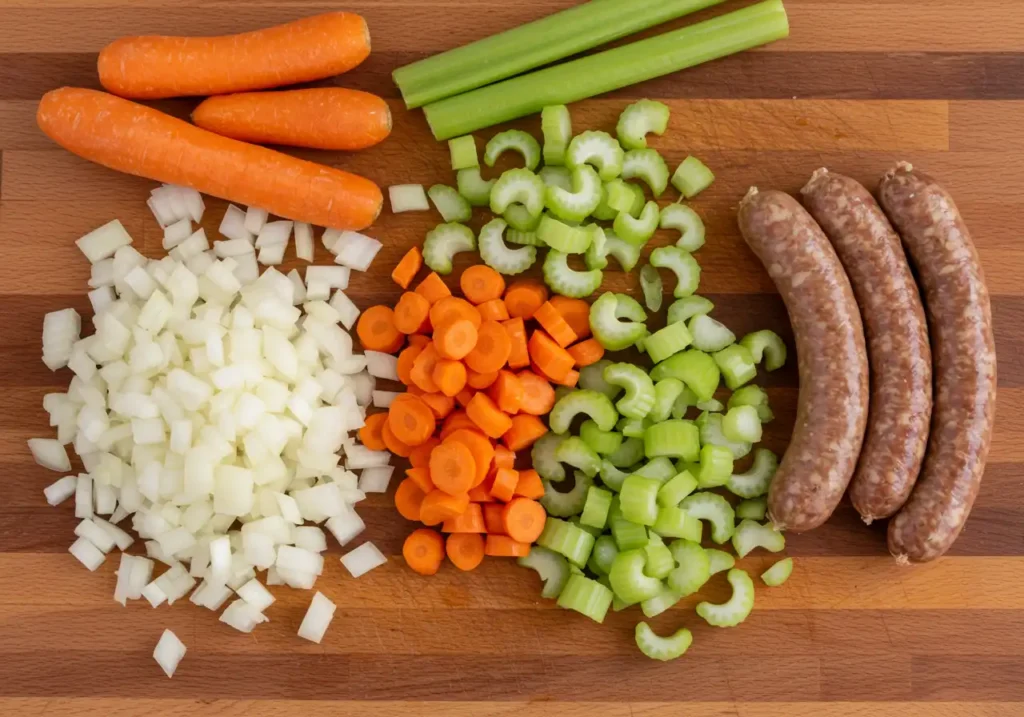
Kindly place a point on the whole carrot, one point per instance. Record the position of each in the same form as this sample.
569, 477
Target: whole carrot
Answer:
142, 141
152, 67
325, 118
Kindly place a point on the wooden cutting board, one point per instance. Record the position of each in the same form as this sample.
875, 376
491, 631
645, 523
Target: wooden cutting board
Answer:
861, 84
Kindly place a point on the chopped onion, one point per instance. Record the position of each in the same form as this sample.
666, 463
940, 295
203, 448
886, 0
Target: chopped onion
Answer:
383, 399
408, 198
376, 480
355, 250
50, 454
168, 652
309, 537
382, 365
177, 232
59, 491
83, 496
242, 616
274, 234
255, 220
232, 248
101, 243
348, 312
346, 526
212, 597
256, 595
359, 457
363, 559
87, 554
304, 241
317, 619
233, 225
123, 539
95, 535
333, 277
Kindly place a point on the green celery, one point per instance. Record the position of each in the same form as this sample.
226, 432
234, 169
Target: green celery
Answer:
587, 597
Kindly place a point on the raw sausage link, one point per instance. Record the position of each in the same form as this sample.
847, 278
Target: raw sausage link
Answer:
831, 356
897, 336
960, 319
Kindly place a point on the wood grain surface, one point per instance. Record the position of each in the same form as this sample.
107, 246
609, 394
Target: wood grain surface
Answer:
859, 85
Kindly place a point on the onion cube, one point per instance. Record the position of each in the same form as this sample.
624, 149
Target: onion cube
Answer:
256, 595
168, 652
49, 453
87, 554
317, 619
101, 243
363, 559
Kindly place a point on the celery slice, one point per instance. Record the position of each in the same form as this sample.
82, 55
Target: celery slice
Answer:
556, 127
578, 454
518, 185
596, 532
595, 509
742, 424
624, 197
738, 607
710, 425
523, 238
694, 567
659, 559
611, 476
628, 579
667, 342
639, 398
687, 222
660, 469
567, 504
628, 255
564, 280
475, 189
563, 237
686, 399
666, 391
463, 152
715, 466
710, 335
719, 560
713, 405
628, 535
581, 201
694, 368
716, 510
646, 164
592, 378
692, 177
632, 427
753, 396
750, 535
681, 263
520, 219
603, 554
662, 648
671, 494
638, 230
571, 541
778, 573
552, 568
563, 391
443, 242
613, 334
650, 283
687, 307
599, 149
640, 119
587, 597
596, 256
664, 600
767, 344
452, 205
592, 403
638, 499
542, 455
556, 177
676, 438
630, 452
675, 522
752, 508
498, 256
514, 140
603, 212
601, 441
736, 364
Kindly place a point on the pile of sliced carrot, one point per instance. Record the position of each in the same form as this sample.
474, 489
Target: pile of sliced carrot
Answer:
478, 373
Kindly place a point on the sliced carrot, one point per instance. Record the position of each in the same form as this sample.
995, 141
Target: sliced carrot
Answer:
530, 485
410, 312
570, 380
481, 494
452, 468
493, 518
405, 361
421, 477
551, 358
504, 458
481, 283
422, 373
464, 396
377, 331
433, 288
538, 395
406, 269
465, 550
451, 308
524, 297
423, 551
493, 310
439, 506
414, 390
450, 376
472, 521
480, 381
502, 546
411, 420
504, 487
492, 349
525, 431
586, 352
481, 448
524, 519
519, 356
419, 457
440, 404
370, 434
399, 448
454, 421
408, 499
487, 416
455, 338
576, 313
418, 340
556, 326
507, 392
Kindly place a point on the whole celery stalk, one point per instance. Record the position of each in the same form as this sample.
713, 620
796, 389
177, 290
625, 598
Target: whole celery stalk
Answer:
605, 71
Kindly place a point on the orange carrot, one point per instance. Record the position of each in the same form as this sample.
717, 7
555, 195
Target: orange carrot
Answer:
481, 283
433, 288
487, 416
405, 361
480, 381
481, 494
408, 499
586, 352
492, 349
423, 551
504, 487
455, 421
502, 546
465, 550
370, 434
452, 468
464, 396
421, 477
419, 457
411, 420
440, 404
410, 312
493, 310
524, 297
439, 506
479, 446
451, 308
538, 396
312, 48
504, 458
507, 392
519, 356
576, 313
418, 340
391, 442
569, 379
493, 518
530, 485
525, 431
552, 359
454, 339
142, 141
422, 373
450, 376
552, 322
472, 521
406, 269
524, 519
377, 331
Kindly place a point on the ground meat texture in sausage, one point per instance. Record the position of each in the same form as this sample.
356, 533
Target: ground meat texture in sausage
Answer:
831, 357
960, 322
897, 338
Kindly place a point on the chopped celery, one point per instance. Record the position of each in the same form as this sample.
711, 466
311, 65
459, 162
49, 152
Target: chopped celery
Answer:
695, 368
710, 425
752, 508
687, 222
742, 423
575, 205
716, 510
520, 219
474, 188
638, 499
542, 455
611, 333
515, 140
625, 253
621, 196
556, 177
686, 399
603, 212
710, 335
498, 256
738, 607
767, 344
713, 405
646, 164
611, 476
556, 127
664, 600
672, 493
681, 263
778, 573
569, 540
694, 567
552, 568
596, 405
523, 238
659, 558
668, 341
445, 241
596, 532
640, 119
628, 535
676, 438
463, 152
553, 533
575, 569
518, 185
662, 648
596, 256
595, 510
666, 391
660, 469
632, 427
578, 454
601, 441
587, 597
628, 579
567, 281
599, 149
715, 466
650, 283
750, 535
736, 364
719, 560
566, 505
592, 378
630, 452
753, 396
603, 554
688, 306
638, 230
692, 177
452, 205
675, 522
563, 237
563, 391
639, 396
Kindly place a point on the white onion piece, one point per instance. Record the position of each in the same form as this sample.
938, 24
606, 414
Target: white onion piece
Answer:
101, 243
304, 241
255, 219
355, 250
346, 526
212, 597
317, 618
154, 595
272, 255
176, 233
274, 234
242, 616
309, 537
363, 559
233, 225
376, 480
383, 399
59, 491
358, 457
334, 277
122, 539
348, 312
49, 453
256, 595
95, 534
408, 198
382, 365
83, 496
87, 554
169, 652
